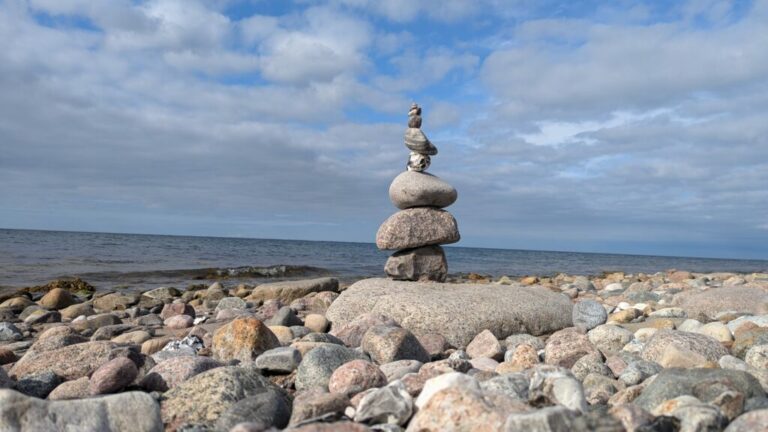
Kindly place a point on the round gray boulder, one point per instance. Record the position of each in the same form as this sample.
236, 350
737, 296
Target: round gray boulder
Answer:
419, 189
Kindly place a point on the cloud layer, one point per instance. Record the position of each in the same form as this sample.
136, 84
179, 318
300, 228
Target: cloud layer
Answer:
634, 130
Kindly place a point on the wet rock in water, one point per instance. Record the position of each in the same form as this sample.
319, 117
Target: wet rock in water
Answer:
417, 227
318, 365
279, 360
434, 307
705, 305
289, 291
426, 263
9, 332
567, 346
70, 362
38, 385
356, 376
242, 339
589, 314
351, 332
57, 298
419, 189
386, 344
316, 403
75, 389
700, 344
131, 411
671, 383
270, 408
609, 338
174, 371
113, 376
203, 398
549, 419
389, 405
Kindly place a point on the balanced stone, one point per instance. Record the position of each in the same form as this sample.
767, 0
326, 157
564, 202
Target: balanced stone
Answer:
416, 141
417, 189
424, 263
415, 227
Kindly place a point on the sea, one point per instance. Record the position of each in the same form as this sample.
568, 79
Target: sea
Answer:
136, 261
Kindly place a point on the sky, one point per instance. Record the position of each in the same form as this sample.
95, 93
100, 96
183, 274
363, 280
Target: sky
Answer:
635, 127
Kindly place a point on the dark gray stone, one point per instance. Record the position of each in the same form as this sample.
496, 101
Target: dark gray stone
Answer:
38, 385
279, 360
318, 365
589, 314
270, 408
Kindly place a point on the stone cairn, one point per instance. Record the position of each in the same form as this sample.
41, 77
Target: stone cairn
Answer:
417, 230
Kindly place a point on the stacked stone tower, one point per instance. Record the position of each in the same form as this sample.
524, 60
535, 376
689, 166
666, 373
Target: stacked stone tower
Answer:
421, 226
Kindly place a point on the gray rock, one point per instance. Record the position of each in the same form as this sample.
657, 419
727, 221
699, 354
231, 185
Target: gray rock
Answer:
285, 316
417, 142
426, 263
230, 303
417, 189
174, 371
589, 314
322, 337
316, 403
270, 408
699, 417
202, 399
390, 404
590, 363
351, 332
386, 344
638, 371
671, 383
752, 421
70, 362
549, 419
418, 162
39, 385
279, 360
132, 411
110, 331
163, 293
514, 385
456, 311
5, 380
705, 305
318, 365
706, 346
610, 338
512, 342
417, 227
9, 332
397, 369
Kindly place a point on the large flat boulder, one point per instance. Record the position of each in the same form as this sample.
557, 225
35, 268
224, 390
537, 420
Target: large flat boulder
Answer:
705, 305
457, 311
288, 291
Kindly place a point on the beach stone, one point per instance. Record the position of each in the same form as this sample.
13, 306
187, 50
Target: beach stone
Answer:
426, 263
434, 308
316, 403
113, 376
609, 338
351, 332
523, 357
589, 364
512, 341
700, 344
9, 332
674, 356
674, 382
42, 316
435, 344
267, 409
131, 411
284, 334
356, 376
57, 298
38, 385
132, 338
5, 380
388, 405
173, 309
441, 382
466, 409
588, 314
514, 385
638, 371
319, 364
152, 346
717, 331
417, 142
202, 399
230, 303
75, 389
285, 316
174, 371
416, 227
163, 293
747, 339
70, 362
242, 339
114, 301
279, 360
316, 323
567, 346
386, 344
753, 421
757, 356
16, 304
705, 305
56, 337
7, 356
289, 291
548, 419
486, 345
397, 369
420, 189
110, 331
94, 322
177, 322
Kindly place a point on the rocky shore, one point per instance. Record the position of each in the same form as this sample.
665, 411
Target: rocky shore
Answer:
670, 351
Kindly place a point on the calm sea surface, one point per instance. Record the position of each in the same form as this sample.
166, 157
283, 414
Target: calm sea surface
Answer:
144, 261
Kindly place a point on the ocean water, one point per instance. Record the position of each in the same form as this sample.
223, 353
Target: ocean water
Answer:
30, 258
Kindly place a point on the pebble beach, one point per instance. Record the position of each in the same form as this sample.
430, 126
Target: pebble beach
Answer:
670, 351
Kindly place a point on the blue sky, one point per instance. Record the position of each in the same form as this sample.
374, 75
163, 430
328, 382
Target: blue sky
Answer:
627, 126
